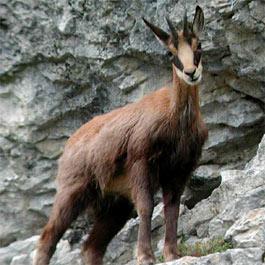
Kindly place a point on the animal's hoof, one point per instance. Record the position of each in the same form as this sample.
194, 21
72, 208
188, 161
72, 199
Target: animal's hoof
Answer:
171, 256
146, 261
170, 253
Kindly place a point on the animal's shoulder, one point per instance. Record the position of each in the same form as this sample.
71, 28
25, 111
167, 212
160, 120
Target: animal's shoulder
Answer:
91, 128
155, 102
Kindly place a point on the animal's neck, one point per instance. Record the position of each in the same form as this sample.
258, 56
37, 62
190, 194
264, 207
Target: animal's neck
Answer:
183, 96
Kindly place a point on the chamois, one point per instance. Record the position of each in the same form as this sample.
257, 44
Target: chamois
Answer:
117, 161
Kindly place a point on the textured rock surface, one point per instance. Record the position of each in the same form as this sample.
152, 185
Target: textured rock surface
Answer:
249, 230
63, 62
240, 192
22, 253
204, 180
249, 256
66, 256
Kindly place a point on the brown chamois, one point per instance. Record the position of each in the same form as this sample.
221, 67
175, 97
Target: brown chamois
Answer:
117, 161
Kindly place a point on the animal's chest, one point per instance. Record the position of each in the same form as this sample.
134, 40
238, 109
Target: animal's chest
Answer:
178, 154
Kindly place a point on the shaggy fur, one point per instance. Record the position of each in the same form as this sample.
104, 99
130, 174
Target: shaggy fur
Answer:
117, 161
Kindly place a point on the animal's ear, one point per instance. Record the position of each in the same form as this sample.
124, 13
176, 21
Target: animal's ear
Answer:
198, 21
160, 34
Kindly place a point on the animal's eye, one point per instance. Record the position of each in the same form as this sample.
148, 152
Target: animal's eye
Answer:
170, 55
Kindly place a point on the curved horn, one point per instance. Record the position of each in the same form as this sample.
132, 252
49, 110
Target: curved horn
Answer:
161, 34
173, 31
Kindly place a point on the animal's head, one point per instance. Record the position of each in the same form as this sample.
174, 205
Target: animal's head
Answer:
184, 46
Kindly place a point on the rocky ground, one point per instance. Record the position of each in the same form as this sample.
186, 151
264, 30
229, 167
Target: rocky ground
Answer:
234, 211
63, 62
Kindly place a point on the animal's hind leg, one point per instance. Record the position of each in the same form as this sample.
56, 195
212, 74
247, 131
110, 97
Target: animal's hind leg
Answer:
107, 224
69, 202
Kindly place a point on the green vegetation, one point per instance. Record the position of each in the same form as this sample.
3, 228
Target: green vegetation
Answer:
204, 248
160, 259
201, 248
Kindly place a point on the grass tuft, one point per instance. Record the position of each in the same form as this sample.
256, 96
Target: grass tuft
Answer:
199, 249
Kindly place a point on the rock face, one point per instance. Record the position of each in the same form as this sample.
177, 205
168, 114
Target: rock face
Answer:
249, 256
21, 253
241, 191
249, 230
63, 62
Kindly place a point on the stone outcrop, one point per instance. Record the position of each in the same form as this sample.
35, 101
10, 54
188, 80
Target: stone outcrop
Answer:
249, 256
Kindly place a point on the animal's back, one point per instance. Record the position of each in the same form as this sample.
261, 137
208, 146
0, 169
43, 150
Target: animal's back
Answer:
100, 147
153, 101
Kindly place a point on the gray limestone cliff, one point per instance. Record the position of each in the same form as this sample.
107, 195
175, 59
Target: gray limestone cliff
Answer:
63, 62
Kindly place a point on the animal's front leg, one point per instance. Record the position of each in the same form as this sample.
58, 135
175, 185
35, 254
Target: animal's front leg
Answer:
171, 212
143, 199
144, 250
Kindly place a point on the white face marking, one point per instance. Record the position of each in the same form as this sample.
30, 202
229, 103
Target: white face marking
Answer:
185, 54
196, 78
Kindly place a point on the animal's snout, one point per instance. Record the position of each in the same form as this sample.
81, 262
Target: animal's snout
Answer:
190, 72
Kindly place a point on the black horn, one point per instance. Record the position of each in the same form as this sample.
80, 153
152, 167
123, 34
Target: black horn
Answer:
185, 25
160, 34
173, 31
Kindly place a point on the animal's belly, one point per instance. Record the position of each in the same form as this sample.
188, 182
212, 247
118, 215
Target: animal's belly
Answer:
119, 185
